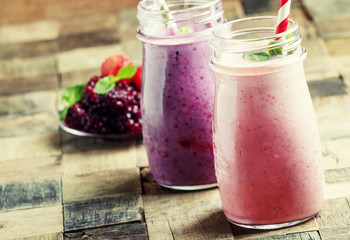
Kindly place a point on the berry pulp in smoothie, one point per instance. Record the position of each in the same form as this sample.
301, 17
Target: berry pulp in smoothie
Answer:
267, 148
177, 105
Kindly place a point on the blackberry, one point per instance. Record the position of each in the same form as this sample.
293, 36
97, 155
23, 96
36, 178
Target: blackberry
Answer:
113, 113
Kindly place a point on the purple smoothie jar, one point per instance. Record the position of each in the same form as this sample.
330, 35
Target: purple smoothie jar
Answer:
178, 91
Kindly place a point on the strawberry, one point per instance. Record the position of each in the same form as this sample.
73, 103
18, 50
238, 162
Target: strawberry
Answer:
112, 64
138, 78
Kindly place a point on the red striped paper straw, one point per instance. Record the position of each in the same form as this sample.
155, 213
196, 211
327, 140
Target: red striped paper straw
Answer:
283, 14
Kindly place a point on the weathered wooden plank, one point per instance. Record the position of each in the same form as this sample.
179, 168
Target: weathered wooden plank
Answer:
336, 153
78, 77
29, 32
200, 226
142, 158
19, 11
28, 103
318, 64
334, 213
101, 184
233, 10
51, 236
84, 59
327, 9
89, 23
28, 49
18, 126
333, 116
30, 170
337, 190
159, 229
121, 156
336, 233
131, 231
22, 75
334, 28
40, 145
197, 226
292, 236
339, 175
252, 7
293, 232
31, 222
181, 203
102, 212
30, 195
326, 87
90, 39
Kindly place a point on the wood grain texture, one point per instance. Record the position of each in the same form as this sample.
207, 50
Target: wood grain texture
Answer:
293, 232
28, 103
101, 184
293, 236
326, 87
142, 158
30, 195
131, 231
333, 117
102, 212
340, 175
51, 236
40, 145
334, 213
336, 233
34, 74
182, 203
318, 64
31, 222
120, 156
14, 126
30, 170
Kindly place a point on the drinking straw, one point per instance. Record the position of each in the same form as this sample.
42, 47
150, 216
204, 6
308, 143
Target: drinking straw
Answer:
283, 14
161, 4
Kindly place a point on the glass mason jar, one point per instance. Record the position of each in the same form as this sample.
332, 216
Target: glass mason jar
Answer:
178, 91
267, 148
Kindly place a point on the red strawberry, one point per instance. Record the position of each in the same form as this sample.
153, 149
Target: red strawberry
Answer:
138, 78
112, 64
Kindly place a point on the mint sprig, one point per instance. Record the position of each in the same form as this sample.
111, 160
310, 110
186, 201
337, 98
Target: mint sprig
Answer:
264, 56
71, 95
106, 84
257, 57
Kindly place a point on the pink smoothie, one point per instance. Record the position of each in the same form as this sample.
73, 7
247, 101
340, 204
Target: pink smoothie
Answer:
267, 148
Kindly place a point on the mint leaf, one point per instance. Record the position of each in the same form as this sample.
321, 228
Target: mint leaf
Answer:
126, 72
63, 113
105, 85
257, 57
275, 51
185, 29
73, 94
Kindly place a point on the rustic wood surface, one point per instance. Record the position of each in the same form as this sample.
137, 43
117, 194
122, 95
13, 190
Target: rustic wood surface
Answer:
54, 185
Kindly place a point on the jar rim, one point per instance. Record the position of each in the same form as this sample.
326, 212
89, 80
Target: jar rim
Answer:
227, 38
183, 19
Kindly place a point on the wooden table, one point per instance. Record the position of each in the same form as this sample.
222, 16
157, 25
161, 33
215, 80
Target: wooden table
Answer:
57, 186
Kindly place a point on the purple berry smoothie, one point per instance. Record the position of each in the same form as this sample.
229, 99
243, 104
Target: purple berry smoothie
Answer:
177, 106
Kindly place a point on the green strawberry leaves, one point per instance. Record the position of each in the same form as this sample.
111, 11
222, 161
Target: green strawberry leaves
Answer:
71, 95
106, 84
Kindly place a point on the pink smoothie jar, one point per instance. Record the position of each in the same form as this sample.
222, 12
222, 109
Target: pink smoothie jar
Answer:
266, 143
178, 91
